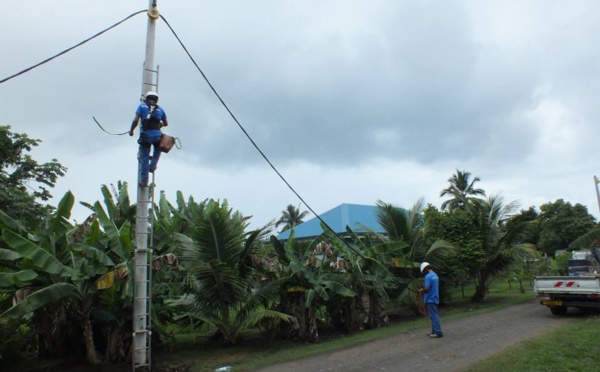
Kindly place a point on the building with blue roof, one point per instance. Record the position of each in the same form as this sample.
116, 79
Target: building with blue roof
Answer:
356, 216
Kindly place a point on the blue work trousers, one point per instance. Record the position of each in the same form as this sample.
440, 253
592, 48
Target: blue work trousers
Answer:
432, 310
144, 155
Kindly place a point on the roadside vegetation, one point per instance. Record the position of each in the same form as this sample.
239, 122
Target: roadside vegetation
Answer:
258, 351
218, 285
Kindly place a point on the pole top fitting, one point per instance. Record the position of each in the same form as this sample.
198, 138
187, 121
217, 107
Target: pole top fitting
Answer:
153, 13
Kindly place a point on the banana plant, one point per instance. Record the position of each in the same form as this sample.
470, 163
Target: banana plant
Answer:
58, 272
312, 281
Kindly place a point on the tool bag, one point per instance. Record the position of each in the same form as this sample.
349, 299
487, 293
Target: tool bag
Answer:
166, 143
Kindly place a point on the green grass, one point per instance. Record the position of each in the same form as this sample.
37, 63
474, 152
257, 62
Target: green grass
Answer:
256, 351
572, 347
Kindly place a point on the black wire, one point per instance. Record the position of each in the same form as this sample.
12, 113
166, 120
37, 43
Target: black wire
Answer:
250, 138
71, 48
112, 134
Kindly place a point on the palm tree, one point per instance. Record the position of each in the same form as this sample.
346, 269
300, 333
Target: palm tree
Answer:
291, 217
221, 282
406, 232
461, 190
407, 228
502, 244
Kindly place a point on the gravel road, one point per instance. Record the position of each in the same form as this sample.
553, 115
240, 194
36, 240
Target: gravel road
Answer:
465, 342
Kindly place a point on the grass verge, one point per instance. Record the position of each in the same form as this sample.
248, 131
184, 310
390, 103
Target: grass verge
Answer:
572, 347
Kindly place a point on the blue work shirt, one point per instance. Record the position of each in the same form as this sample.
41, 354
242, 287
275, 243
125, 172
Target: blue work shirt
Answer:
143, 110
433, 283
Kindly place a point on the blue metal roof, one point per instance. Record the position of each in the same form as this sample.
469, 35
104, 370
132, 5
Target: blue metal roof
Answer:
353, 215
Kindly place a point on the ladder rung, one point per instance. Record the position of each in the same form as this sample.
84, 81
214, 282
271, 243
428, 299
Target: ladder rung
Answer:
142, 331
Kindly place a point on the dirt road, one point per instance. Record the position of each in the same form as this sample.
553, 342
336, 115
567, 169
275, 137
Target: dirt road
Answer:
465, 341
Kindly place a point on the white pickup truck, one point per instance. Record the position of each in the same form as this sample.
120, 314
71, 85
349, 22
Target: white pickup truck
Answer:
581, 289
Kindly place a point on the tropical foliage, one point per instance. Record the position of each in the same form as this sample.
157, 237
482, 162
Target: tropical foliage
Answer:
71, 284
23, 181
224, 290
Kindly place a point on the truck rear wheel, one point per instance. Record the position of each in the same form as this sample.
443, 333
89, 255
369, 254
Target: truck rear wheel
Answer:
558, 310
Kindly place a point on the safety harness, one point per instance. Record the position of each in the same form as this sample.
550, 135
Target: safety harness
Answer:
152, 121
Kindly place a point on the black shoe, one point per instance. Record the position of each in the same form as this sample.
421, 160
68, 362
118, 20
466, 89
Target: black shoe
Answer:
152, 169
144, 184
436, 335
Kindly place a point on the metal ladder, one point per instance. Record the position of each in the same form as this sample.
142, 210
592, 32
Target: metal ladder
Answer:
151, 83
142, 288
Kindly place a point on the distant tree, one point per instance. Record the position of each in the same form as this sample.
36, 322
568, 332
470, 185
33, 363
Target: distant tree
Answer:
291, 217
23, 181
562, 223
461, 190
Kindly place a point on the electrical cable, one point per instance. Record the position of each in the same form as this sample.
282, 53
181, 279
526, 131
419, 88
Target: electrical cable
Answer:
211, 87
112, 134
250, 138
71, 48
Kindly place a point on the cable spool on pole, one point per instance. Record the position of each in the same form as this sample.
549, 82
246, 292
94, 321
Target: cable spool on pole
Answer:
142, 285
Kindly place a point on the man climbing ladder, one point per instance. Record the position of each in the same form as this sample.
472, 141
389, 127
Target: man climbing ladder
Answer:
153, 117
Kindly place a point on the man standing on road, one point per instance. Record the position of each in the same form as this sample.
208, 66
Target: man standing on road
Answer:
431, 298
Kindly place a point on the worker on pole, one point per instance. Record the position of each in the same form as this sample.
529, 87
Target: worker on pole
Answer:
153, 117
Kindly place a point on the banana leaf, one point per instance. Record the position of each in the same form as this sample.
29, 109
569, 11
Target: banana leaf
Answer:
20, 278
40, 298
39, 257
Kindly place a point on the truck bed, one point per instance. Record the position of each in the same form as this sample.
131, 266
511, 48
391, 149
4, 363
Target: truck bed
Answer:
560, 292
567, 284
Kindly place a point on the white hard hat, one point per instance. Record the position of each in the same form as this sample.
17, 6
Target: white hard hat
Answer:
424, 265
151, 94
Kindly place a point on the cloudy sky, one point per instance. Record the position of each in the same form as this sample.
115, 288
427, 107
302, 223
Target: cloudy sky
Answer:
352, 101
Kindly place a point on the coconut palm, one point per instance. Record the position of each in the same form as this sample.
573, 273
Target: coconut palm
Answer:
221, 281
405, 231
461, 189
291, 217
502, 244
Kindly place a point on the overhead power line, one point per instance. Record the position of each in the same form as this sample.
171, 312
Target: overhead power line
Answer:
211, 87
249, 137
71, 48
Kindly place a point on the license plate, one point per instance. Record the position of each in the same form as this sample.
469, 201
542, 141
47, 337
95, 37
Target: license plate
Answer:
552, 303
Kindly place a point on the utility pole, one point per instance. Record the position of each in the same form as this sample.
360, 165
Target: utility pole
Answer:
596, 181
142, 278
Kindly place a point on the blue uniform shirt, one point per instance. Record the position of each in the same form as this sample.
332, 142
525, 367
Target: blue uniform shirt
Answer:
432, 282
143, 110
